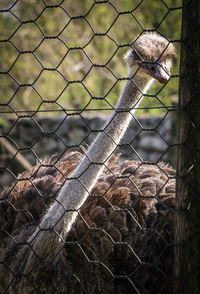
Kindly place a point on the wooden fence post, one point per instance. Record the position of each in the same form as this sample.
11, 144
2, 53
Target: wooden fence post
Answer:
187, 226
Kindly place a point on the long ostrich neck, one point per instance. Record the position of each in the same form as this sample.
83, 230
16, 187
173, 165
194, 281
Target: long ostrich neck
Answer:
75, 190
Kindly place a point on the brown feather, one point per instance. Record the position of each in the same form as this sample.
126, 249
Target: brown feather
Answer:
121, 241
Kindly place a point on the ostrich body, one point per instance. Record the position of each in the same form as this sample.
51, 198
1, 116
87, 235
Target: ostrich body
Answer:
113, 247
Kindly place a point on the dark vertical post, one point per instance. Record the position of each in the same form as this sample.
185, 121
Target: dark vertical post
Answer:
187, 227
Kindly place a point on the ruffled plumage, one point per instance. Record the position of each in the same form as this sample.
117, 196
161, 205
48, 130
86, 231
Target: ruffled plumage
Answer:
121, 242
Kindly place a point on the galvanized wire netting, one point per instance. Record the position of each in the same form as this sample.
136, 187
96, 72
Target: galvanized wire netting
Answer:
65, 58
62, 70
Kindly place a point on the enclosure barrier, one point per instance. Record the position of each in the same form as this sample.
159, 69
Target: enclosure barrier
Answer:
187, 250
62, 60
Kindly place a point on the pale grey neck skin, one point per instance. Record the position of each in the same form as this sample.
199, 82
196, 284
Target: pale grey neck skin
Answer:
49, 238
76, 190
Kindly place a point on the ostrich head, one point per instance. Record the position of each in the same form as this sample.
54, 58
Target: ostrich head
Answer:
150, 57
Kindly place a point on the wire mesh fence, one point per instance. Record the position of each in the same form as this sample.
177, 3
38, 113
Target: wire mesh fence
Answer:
92, 210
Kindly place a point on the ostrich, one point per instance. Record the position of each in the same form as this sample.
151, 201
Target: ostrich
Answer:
92, 224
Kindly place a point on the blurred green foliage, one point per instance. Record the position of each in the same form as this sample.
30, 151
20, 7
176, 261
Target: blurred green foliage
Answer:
66, 54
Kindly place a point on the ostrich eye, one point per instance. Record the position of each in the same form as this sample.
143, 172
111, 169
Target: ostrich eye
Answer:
153, 68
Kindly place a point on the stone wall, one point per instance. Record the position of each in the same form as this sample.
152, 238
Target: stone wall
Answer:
146, 139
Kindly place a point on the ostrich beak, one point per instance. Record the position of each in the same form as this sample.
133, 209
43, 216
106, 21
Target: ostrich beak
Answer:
162, 75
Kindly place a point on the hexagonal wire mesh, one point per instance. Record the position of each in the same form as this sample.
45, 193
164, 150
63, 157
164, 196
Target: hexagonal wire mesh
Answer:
95, 219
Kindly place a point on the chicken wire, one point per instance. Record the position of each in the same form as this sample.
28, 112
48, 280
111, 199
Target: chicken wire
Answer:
55, 50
